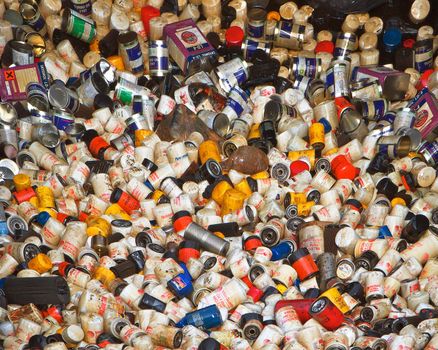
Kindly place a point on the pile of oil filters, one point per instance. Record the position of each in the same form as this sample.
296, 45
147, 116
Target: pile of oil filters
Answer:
217, 175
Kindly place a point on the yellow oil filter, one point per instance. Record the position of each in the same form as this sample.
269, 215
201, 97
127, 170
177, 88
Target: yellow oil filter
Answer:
40, 263
116, 210
98, 226
140, 135
244, 187
157, 195
117, 62
261, 175
233, 200
94, 45
305, 208
219, 234
21, 182
398, 200
209, 150
297, 198
45, 197
331, 151
273, 15
415, 155
104, 275
219, 191
337, 299
281, 288
254, 132
35, 202
316, 136
309, 153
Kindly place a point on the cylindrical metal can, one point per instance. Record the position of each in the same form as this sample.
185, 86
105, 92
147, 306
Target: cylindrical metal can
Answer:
337, 80
129, 49
409, 286
256, 22
374, 287
91, 87
271, 334
373, 109
388, 262
249, 46
62, 119
289, 35
423, 55
167, 336
218, 122
31, 15
345, 44
79, 26
404, 118
158, 58
62, 97
394, 146
308, 67
335, 341
21, 53
82, 6
287, 319
231, 73
37, 97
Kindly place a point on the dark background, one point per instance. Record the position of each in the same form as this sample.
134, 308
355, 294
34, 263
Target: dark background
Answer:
329, 15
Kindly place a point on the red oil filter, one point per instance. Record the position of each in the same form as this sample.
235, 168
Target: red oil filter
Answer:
82, 216
96, 144
343, 169
326, 313
55, 312
298, 166
181, 220
125, 201
247, 281
422, 83
301, 306
252, 243
147, 13
303, 263
409, 43
254, 293
24, 195
64, 218
234, 36
325, 46
187, 250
